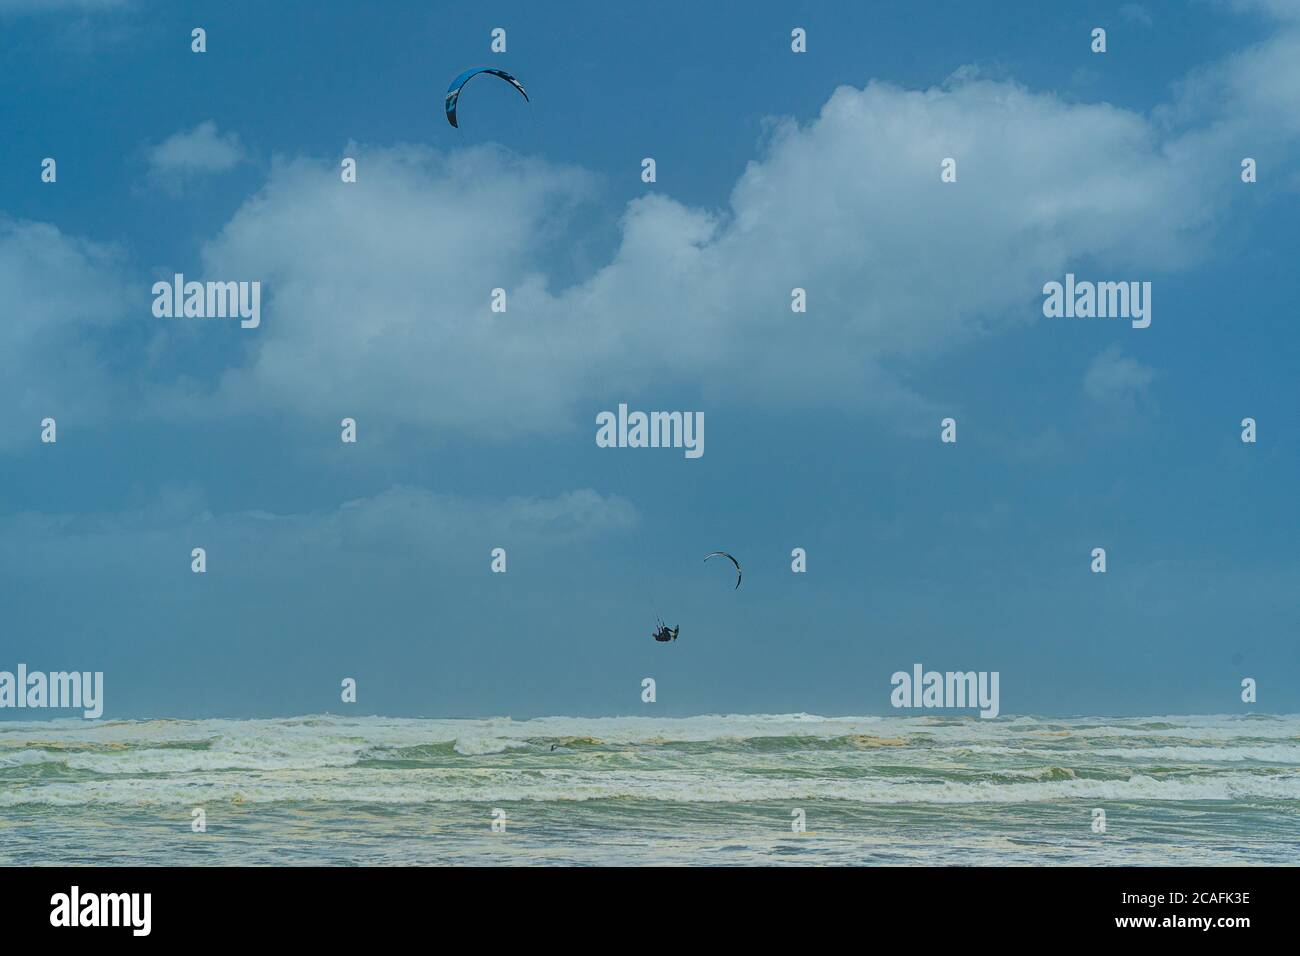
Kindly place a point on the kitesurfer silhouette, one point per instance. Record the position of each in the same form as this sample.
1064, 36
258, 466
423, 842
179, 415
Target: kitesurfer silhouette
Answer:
663, 633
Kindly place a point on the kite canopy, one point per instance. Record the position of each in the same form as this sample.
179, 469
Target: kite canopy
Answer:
729, 558
453, 91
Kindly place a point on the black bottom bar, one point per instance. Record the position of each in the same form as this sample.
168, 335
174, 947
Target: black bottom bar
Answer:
331, 906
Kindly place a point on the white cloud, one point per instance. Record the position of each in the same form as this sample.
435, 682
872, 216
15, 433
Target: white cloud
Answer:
63, 293
1119, 383
379, 290
200, 151
376, 294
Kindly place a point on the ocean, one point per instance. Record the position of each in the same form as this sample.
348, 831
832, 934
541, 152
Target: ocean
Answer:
710, 790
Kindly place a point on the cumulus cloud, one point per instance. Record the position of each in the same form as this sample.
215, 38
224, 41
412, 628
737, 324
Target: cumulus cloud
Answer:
193, 153
379, 291
376, 294
65, 293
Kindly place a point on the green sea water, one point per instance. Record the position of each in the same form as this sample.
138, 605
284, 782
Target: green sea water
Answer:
705, 790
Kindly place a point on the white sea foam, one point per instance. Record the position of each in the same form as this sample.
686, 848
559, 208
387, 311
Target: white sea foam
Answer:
877, 789
472, 746
954, 760
706, 759
434, 787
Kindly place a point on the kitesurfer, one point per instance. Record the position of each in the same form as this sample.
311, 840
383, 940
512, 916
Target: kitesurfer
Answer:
664, 633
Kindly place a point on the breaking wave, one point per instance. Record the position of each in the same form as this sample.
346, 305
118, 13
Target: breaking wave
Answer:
703, 760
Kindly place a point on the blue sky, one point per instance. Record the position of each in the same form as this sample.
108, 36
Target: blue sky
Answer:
775, 170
